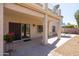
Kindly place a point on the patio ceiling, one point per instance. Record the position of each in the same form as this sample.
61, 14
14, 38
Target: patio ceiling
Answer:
28, 12
18, 15
14, 14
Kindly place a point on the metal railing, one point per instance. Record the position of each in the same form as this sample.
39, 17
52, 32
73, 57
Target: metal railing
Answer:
56, 12
40, 4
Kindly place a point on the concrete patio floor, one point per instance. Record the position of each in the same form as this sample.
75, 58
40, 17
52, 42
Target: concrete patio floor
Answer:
36, 49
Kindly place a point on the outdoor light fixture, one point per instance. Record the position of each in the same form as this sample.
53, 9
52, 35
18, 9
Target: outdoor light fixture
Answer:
33, 25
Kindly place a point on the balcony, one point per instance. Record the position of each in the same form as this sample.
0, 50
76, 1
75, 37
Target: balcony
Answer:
40, 4
50, 10
39, 7
57, 12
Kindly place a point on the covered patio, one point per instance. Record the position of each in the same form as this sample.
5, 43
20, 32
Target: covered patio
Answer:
36, 49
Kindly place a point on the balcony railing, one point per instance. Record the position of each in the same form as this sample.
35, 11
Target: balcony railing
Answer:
40, 4
56, 12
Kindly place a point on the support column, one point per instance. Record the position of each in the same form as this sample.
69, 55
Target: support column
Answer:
59, 29
45, 27
1, 29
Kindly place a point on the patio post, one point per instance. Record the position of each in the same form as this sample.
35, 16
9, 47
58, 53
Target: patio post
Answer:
45, 28
59, 28
1, 29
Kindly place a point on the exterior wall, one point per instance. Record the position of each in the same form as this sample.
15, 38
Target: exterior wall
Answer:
33, 29
51, 24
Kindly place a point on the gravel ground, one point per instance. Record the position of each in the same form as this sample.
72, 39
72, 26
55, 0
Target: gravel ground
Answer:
70, 48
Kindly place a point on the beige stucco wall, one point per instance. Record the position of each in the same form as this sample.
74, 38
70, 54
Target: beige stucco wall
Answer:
54, 22
33, 29
1, 29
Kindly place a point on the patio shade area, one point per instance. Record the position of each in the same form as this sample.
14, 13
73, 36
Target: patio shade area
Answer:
34, 48
70, 48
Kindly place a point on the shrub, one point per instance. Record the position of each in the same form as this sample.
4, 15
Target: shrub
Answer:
69, 26
9, 37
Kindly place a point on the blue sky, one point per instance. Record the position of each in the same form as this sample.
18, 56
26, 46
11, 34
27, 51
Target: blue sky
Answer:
68, 10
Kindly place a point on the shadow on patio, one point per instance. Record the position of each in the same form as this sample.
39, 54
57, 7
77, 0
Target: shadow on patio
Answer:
36, 50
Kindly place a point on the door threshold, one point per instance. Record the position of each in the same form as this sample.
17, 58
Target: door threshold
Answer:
27, 39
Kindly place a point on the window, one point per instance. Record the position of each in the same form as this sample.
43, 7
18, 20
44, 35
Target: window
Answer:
39, 28
53, 29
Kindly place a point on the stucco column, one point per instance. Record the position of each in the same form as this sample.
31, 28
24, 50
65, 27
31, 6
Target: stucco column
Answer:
59, 32
45, 28
59, 29
1, 29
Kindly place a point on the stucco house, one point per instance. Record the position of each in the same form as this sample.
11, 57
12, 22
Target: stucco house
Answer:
32, 20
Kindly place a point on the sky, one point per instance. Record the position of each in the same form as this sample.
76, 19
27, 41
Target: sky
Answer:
67, 11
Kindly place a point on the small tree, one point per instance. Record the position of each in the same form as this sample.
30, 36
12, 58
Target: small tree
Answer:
77, 17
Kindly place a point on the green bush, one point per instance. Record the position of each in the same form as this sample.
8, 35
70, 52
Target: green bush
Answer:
9, 37
69, 26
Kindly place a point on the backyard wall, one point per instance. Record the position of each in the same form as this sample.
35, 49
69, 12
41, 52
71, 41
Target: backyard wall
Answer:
71, 30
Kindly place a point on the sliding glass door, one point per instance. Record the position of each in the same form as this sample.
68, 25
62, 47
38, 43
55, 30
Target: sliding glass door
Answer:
21, 31
16, 29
